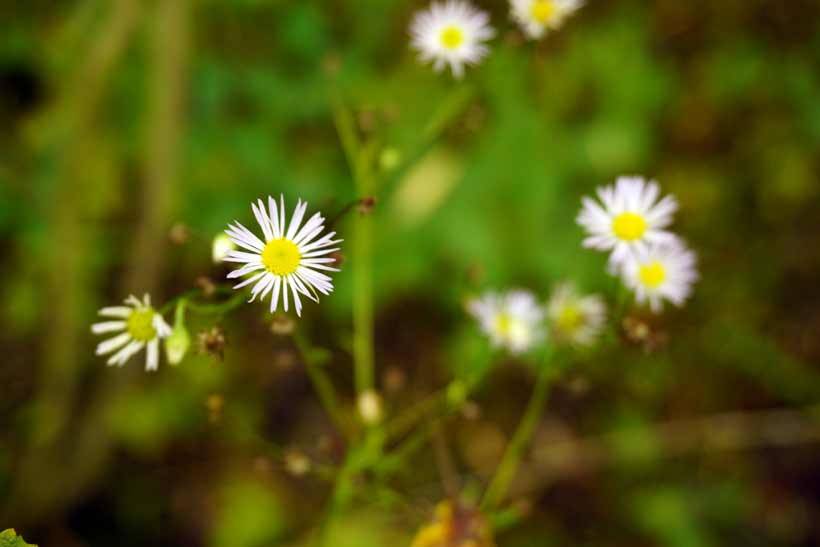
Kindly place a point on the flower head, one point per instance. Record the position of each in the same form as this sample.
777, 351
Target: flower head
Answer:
451, 33
574, 318
512, 320
139, 325
628, 218
537, 17
289, 258
664, 271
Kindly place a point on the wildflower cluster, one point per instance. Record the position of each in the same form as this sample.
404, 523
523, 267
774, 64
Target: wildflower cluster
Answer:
454, 33
516, 321
287, 263
631, 221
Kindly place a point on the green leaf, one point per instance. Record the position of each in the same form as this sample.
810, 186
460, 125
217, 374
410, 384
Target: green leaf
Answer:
9, 538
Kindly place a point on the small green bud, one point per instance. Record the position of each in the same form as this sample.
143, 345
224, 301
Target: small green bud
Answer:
178, 342
389, 159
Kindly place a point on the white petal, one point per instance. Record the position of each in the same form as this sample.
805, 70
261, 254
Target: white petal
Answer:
116, 311
152, 355
107, 326
107, 346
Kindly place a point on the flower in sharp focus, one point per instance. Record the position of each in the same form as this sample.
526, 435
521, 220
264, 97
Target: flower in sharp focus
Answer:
139, 326
289, 258
537, 17
512, 320
664, 271
628, 218
451, 33
575, 318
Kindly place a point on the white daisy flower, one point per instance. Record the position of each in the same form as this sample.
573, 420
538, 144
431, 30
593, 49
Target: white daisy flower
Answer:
451, 33
289, 258
536, 17
628, 218
664, 271
574, 318
139, 325
512, 320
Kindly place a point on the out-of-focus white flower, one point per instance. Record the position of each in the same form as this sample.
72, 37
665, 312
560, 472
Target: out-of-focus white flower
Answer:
661, 272
451, 33
289, 258
574, 318
628, 218
512, 320
221, 246
536, 17
139, 326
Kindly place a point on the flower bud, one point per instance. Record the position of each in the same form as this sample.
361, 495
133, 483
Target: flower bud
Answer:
370, 407
178, 342
222, 245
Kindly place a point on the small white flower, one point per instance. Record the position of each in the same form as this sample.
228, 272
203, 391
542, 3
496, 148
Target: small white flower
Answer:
222, 245
512, 320
575, 319
661, 272
628, 218
288, 259
139, 325
536, 17
451, 33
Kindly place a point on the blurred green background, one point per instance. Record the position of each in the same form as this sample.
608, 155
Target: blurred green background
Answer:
135, 130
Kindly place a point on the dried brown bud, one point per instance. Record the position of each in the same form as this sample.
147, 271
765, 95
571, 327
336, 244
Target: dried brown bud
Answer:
212, 342
179, 234
214, 403
262, 465
366, 205
206, 285
394, 379
641, 332
282, 325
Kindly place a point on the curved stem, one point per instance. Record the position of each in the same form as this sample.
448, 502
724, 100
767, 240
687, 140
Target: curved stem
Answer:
321, 382
505, 472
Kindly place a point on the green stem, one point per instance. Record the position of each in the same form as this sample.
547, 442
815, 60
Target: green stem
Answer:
359, 157
321, 382
363, 303
505, 473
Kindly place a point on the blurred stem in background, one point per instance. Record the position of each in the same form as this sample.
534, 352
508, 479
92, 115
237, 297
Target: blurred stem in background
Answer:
163, 133
70, 138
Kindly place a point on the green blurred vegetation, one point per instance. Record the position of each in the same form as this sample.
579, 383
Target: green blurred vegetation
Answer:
125, 118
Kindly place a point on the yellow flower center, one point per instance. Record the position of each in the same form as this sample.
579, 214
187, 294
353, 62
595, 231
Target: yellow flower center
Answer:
140, 325
281, 256
629, 226
543, 11
652, 274
570, 319
452, 37
503, 323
